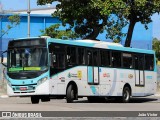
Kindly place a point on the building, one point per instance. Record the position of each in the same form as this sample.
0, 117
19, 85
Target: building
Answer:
41, 18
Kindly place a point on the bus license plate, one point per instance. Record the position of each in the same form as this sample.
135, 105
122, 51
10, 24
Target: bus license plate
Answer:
23, 88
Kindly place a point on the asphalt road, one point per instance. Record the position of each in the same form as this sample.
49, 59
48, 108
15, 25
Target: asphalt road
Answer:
151, 103
59, 109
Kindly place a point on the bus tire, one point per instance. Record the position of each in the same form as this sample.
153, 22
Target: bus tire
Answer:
70, 94
34, 99
126, 95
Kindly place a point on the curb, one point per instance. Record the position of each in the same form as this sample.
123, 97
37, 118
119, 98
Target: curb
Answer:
157, 95
4, 96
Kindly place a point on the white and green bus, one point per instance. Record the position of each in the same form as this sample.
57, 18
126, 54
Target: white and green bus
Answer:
44, 68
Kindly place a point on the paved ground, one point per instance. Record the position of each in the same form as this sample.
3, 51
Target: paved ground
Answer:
143, 104
81, 107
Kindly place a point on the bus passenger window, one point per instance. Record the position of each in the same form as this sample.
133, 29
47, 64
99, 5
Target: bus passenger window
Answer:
58, 61
95, 58
89, 57
139, 61
71, 56
149, 62
62, 61
127, 60
136, 62
105, 58
81, 56
116, 59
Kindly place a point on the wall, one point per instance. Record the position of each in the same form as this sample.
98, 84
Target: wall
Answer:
38, 22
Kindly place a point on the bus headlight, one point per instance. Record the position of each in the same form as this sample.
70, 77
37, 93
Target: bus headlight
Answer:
42, 80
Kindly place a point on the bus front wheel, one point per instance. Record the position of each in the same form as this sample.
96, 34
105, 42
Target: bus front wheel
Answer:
34, 99
70, 94
126, 95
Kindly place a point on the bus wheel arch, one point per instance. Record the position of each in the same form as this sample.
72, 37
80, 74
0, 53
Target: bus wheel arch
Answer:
71, 92
126, 93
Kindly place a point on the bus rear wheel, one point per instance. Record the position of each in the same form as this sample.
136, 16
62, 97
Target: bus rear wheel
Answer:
70, 94
126, 95
34, 99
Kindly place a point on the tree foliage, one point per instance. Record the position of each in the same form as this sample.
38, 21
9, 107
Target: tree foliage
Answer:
84, 16
13, 21
91, 17
54, 32
133, 11
156, 47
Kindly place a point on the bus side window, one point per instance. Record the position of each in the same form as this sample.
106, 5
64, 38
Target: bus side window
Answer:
139, 61
58, 60
61, 59
81, 56
89, 57
95, 58
149, 62
127, 60
71, 56
136, 62
53, 60
105, 58
116, 59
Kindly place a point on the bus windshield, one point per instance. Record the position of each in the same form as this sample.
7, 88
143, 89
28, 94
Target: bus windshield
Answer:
27, 59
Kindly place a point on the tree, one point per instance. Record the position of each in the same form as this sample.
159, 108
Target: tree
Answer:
91, 17
53, 32
84, 16
135, 11
13, 20
140, 11
156, 47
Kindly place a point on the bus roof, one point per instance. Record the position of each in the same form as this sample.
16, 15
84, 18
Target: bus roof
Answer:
100, 44
95, 44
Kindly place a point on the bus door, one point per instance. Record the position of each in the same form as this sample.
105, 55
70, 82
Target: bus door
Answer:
139, 72
93, 69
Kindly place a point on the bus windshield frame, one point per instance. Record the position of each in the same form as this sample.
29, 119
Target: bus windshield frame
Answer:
27, 59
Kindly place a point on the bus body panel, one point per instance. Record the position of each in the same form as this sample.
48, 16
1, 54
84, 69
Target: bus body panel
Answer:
42, 89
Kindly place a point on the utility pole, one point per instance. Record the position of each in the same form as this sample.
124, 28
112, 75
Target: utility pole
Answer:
28, 12
1, 12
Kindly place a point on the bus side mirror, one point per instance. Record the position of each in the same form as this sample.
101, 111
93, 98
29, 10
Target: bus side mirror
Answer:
2, 59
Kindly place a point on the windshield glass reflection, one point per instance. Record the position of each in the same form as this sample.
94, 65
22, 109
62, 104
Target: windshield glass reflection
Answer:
28, 59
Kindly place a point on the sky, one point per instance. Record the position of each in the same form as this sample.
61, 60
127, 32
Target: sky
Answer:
22, 4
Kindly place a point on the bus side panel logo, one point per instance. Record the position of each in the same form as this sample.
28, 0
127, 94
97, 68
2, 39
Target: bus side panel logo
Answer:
79, 74
106, 75
130, 76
